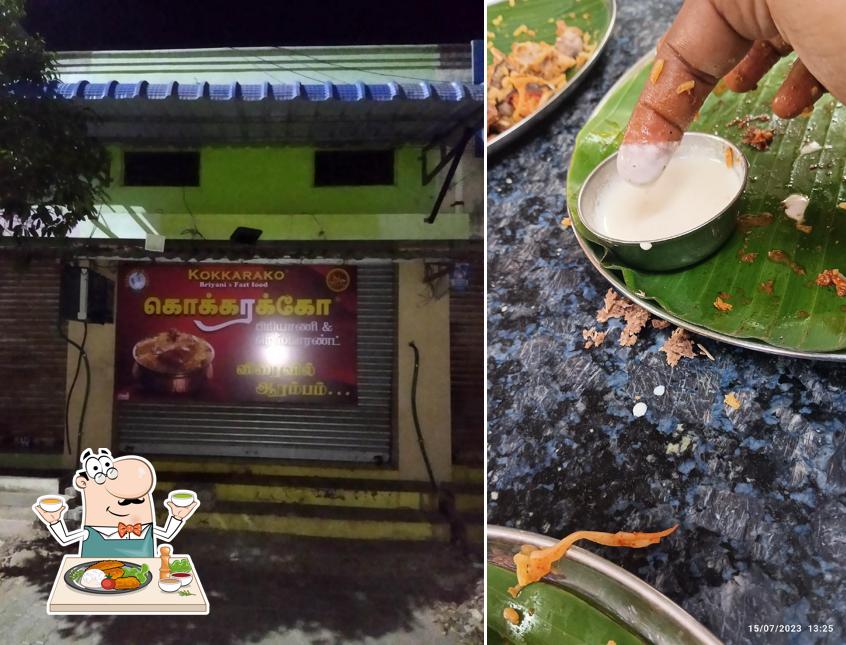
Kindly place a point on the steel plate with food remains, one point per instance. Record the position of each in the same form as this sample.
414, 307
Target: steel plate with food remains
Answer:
526, 78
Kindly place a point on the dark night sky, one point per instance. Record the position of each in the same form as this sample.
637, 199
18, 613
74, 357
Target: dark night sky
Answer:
162, 24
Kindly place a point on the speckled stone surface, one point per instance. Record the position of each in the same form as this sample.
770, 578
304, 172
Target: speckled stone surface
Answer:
760, 492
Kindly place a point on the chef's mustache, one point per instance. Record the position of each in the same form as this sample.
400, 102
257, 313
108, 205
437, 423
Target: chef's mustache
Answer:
127, 502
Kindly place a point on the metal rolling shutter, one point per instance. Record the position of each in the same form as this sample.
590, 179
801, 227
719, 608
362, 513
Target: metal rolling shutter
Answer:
362, 433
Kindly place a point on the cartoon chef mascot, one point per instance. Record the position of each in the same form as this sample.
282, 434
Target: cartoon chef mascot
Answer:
117, 509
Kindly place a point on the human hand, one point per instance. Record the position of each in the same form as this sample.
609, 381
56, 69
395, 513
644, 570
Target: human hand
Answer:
182, 512
49, 517
739, 40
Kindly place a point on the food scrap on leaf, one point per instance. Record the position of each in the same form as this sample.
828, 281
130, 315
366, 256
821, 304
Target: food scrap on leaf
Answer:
833, 277
758, 138
533, 563
721, 305
510, 614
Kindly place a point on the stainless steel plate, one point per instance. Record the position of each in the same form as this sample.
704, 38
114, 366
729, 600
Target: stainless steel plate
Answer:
628, 598
497, 143
616, 280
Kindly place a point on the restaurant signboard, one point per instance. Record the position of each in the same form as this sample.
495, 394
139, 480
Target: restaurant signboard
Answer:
230, 333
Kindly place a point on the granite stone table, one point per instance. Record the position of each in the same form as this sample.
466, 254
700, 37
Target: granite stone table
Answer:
759, 491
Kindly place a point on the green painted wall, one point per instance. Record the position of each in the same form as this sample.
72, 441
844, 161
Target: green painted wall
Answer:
271, 188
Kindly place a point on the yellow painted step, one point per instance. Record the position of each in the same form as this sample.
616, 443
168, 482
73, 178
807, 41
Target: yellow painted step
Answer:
314, 496
469, 503
329, 496
468, 475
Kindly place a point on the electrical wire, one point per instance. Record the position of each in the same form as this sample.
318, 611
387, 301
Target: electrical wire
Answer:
196, 230
328, 63
414, 416
275, 65
356, 69
82, 358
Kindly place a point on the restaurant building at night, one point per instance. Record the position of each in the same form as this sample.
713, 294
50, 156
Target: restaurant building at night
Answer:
292, 250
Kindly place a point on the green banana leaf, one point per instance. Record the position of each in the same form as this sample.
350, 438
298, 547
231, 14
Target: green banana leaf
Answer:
591, 16
797, 314
548, 614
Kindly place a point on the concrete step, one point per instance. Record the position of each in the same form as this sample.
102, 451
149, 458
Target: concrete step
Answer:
320, 491
15, 528
17, 512
323, 521
37, 485
330, 521
17, 499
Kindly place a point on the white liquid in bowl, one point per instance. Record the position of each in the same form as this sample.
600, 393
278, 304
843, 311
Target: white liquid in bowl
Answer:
692, 190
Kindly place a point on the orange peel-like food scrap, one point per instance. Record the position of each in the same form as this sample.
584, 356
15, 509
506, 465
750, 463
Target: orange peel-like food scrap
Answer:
510, 614
657, 68
534, 563
729, 155
732, 401
722, 305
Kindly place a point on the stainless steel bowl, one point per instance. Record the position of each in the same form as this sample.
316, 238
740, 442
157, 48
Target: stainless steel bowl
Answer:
625, 597
669, 253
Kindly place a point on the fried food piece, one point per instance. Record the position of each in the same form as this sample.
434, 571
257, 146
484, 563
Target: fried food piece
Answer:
732, 401
105, 565
729, 155
722, 305
657, 68
532, 563
115, 573
833, 277
678, 346
510, 614
127, 583
593, 338
758, 138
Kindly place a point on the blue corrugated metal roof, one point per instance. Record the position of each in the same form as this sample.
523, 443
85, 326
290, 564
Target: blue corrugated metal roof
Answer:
297, 113
446, 91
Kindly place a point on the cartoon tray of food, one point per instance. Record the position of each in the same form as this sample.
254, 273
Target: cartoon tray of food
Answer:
161, 585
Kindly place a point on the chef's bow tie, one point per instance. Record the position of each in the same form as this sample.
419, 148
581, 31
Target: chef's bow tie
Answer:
123, 529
